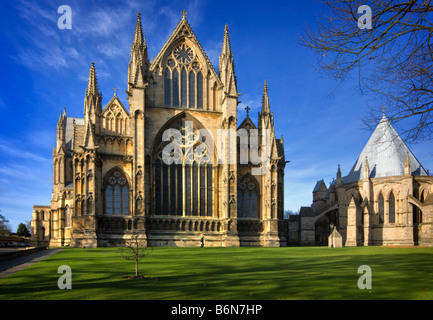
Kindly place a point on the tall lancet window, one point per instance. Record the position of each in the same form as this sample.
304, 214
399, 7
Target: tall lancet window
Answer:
391, 202
381, 207
183, 79
199, 90
191, 89
248, 200
167, 87
116, 193
175, 88
184, 90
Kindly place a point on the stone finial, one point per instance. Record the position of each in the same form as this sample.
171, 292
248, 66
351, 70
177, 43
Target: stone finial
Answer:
407, 170
366, 168
184, 14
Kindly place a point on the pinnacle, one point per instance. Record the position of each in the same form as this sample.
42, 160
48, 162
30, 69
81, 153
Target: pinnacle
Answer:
226, 44
266, 109
92, 87
139, 37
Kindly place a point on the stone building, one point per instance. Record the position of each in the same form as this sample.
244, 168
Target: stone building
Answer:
386, 199
172, 165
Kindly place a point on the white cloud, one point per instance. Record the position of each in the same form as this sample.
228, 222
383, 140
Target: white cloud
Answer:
9, 151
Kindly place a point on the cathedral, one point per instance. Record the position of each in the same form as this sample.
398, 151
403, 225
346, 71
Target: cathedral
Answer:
386, 199
170, 167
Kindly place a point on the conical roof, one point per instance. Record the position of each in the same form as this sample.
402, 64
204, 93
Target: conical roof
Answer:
385, 153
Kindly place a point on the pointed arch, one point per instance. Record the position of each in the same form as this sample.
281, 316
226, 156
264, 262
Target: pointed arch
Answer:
184, 88
192, 92
167, 87
391, 208
381, 207
200, 90
116, 190
248, 197
183, 187
176, 91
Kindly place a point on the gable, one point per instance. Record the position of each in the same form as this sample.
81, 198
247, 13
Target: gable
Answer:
170, 52
114, 108
247, 124
115, 118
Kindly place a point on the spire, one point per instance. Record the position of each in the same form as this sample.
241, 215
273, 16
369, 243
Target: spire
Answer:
139, 37
93, 99
139, 63
227, 66
227, 50
92, 86
266, 107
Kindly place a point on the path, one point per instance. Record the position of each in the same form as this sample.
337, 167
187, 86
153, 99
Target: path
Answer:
13, 265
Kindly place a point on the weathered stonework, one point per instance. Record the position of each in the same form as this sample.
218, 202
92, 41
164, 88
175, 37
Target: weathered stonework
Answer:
110, 182
387, 199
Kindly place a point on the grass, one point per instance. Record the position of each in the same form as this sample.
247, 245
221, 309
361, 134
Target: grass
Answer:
229, 274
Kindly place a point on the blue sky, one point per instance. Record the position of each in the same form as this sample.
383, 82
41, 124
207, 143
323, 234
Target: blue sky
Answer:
45, 69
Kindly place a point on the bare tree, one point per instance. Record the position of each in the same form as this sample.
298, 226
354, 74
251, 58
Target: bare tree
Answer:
392, 60
135, 250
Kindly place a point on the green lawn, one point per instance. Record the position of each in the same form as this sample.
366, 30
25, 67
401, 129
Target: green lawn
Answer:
230, 274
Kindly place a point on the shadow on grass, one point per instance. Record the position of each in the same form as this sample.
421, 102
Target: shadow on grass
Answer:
230, 274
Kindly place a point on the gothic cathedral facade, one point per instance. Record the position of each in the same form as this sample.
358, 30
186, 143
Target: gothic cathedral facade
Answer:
160, 168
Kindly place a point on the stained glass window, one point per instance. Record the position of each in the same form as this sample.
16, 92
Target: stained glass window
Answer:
187, 190
391, 208
381, 208
184, 89
167, 88
175, 88
191, 90
199, 90
247, 198
117, 195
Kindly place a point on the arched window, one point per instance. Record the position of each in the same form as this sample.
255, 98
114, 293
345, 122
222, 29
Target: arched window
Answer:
167, 87
183, 79
391, 208
116, 194
183, 187
184, 89
175, 88
199, 90
381, 208
191, 90
247, 198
